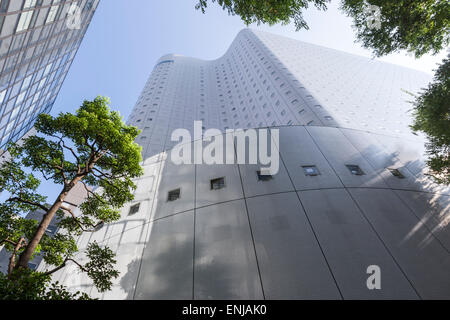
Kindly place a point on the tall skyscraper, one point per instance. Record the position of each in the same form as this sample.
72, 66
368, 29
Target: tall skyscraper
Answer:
350, 203
38, 42
265, 80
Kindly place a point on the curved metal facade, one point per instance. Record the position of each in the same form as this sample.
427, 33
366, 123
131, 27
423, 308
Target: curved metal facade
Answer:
298, 235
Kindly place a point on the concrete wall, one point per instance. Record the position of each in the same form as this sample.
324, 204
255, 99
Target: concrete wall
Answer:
294, 237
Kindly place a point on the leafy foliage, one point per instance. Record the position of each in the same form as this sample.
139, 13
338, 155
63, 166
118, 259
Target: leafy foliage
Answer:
101, 266
25, 284
416, 26
92, 148
432, 116
267, 11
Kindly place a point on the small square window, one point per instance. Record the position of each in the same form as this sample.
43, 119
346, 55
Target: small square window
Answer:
263, 177
355, 170
134, 209
32, 266
51, 230
311, 171
99, 226
174, 195
396, 173
217, 184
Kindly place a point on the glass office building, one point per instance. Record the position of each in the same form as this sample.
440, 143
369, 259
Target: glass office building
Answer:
38, 42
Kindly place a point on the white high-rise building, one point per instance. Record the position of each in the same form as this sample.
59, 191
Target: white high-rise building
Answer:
350, 205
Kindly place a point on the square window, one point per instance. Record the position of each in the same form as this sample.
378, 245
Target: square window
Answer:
29, 4
2, 96
311, 171
32, 266
24, 21
134, 209
217, 184
174, 195
51, 230
52, 14
263, 177
99, 226
355, 170
396, 173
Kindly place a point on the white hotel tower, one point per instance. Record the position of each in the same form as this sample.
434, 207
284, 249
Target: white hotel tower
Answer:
351, 192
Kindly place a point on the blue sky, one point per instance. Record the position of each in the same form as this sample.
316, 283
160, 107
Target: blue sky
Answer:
126, 37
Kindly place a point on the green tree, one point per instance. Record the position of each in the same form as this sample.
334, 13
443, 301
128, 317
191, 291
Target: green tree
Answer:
92, 147
29, 285
267, 11
432, 116
418, 27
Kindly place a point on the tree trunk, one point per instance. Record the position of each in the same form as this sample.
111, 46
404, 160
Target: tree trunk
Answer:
12, 260
25, 257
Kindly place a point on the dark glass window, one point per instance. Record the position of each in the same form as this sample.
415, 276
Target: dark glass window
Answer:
355, 170
263, 177
32, 266
99, 226
174, 195
311, 171
217, 184
396, 173
134, 209
51, 230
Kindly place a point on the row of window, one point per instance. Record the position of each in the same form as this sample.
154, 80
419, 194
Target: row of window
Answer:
28, 18
219, 183
313, 171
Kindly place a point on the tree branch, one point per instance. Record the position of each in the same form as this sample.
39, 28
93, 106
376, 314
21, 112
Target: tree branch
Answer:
87, 189
19, 199
107, 175
90, 192
8, 241
80, 224
12, 259
106, 180
48, 273
75, 219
